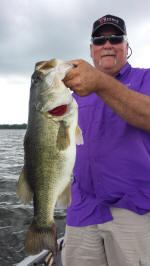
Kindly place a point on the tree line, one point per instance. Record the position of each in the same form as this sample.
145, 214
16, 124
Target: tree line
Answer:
13, 126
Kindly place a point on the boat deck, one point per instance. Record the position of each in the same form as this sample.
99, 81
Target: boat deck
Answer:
43, 259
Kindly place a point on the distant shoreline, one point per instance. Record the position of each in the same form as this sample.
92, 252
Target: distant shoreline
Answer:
13, 126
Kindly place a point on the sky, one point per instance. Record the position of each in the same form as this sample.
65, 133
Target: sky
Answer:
36, 30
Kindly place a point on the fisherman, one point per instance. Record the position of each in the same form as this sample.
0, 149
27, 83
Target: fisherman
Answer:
108, 221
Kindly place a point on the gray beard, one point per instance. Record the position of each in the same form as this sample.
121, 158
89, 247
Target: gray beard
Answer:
115, 61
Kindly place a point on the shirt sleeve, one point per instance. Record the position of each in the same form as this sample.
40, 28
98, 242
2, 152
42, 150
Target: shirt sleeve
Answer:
145, 83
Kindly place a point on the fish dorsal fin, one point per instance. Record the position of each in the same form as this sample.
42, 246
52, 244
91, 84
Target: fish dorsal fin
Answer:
63, 137
79, 136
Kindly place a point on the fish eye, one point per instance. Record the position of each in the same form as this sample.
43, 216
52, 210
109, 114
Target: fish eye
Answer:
36, 79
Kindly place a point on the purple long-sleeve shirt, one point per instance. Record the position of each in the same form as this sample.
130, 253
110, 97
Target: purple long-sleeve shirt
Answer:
113, 166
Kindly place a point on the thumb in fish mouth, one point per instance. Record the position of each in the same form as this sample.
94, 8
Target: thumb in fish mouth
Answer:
58, 66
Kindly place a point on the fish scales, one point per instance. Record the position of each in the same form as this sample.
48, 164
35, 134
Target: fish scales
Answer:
50, 149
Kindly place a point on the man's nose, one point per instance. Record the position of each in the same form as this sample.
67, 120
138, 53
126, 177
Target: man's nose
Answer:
107, 44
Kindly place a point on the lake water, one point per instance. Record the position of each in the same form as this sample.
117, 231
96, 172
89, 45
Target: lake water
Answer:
15, 217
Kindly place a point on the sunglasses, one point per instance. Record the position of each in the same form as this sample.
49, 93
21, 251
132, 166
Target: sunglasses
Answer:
113, 39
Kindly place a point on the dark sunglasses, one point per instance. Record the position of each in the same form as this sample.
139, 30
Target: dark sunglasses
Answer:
113, 39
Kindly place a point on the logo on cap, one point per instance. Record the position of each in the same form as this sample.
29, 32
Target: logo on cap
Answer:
108, 19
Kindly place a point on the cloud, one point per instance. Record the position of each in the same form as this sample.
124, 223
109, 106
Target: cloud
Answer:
35, 30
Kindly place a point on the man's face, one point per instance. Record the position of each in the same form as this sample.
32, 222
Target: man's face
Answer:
109, 58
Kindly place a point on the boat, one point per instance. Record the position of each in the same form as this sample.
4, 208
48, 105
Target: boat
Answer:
44, 258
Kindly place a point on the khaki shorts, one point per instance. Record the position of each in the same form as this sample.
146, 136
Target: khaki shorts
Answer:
125, 241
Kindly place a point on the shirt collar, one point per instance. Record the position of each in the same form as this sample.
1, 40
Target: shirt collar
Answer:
124, 70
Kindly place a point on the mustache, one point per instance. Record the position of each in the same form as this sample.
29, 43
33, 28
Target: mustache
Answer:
107, 52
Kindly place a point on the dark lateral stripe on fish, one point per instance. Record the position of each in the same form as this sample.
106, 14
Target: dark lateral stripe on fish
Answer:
58, 111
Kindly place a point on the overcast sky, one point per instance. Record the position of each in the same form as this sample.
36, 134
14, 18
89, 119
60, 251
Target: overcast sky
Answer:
35, 30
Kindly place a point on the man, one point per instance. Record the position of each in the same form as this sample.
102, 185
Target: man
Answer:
108, 221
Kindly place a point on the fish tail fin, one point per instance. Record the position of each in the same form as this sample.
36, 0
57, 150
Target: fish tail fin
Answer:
24, 191
64, 198
38, 239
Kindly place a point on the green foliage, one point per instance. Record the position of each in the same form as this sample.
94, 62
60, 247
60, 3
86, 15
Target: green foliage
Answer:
13, 126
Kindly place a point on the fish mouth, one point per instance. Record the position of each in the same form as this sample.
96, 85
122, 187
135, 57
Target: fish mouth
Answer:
59, 110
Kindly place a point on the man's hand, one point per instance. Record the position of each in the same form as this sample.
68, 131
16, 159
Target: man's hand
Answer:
83, 78
130, 105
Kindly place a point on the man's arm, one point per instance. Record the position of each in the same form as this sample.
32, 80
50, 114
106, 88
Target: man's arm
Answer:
131, 106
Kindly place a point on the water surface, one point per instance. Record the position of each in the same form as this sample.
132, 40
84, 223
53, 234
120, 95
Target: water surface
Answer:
15, 217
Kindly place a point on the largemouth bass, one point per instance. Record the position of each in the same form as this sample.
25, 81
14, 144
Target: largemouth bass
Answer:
50, 150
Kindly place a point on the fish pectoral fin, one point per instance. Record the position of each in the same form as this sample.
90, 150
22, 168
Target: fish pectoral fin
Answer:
24, 191
63, 138
79, 136
64, 198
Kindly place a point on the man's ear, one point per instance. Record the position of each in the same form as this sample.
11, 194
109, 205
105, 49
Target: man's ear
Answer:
91, 50
127, 49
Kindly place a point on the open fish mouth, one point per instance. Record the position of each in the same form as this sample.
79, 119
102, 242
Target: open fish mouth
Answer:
59, 110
